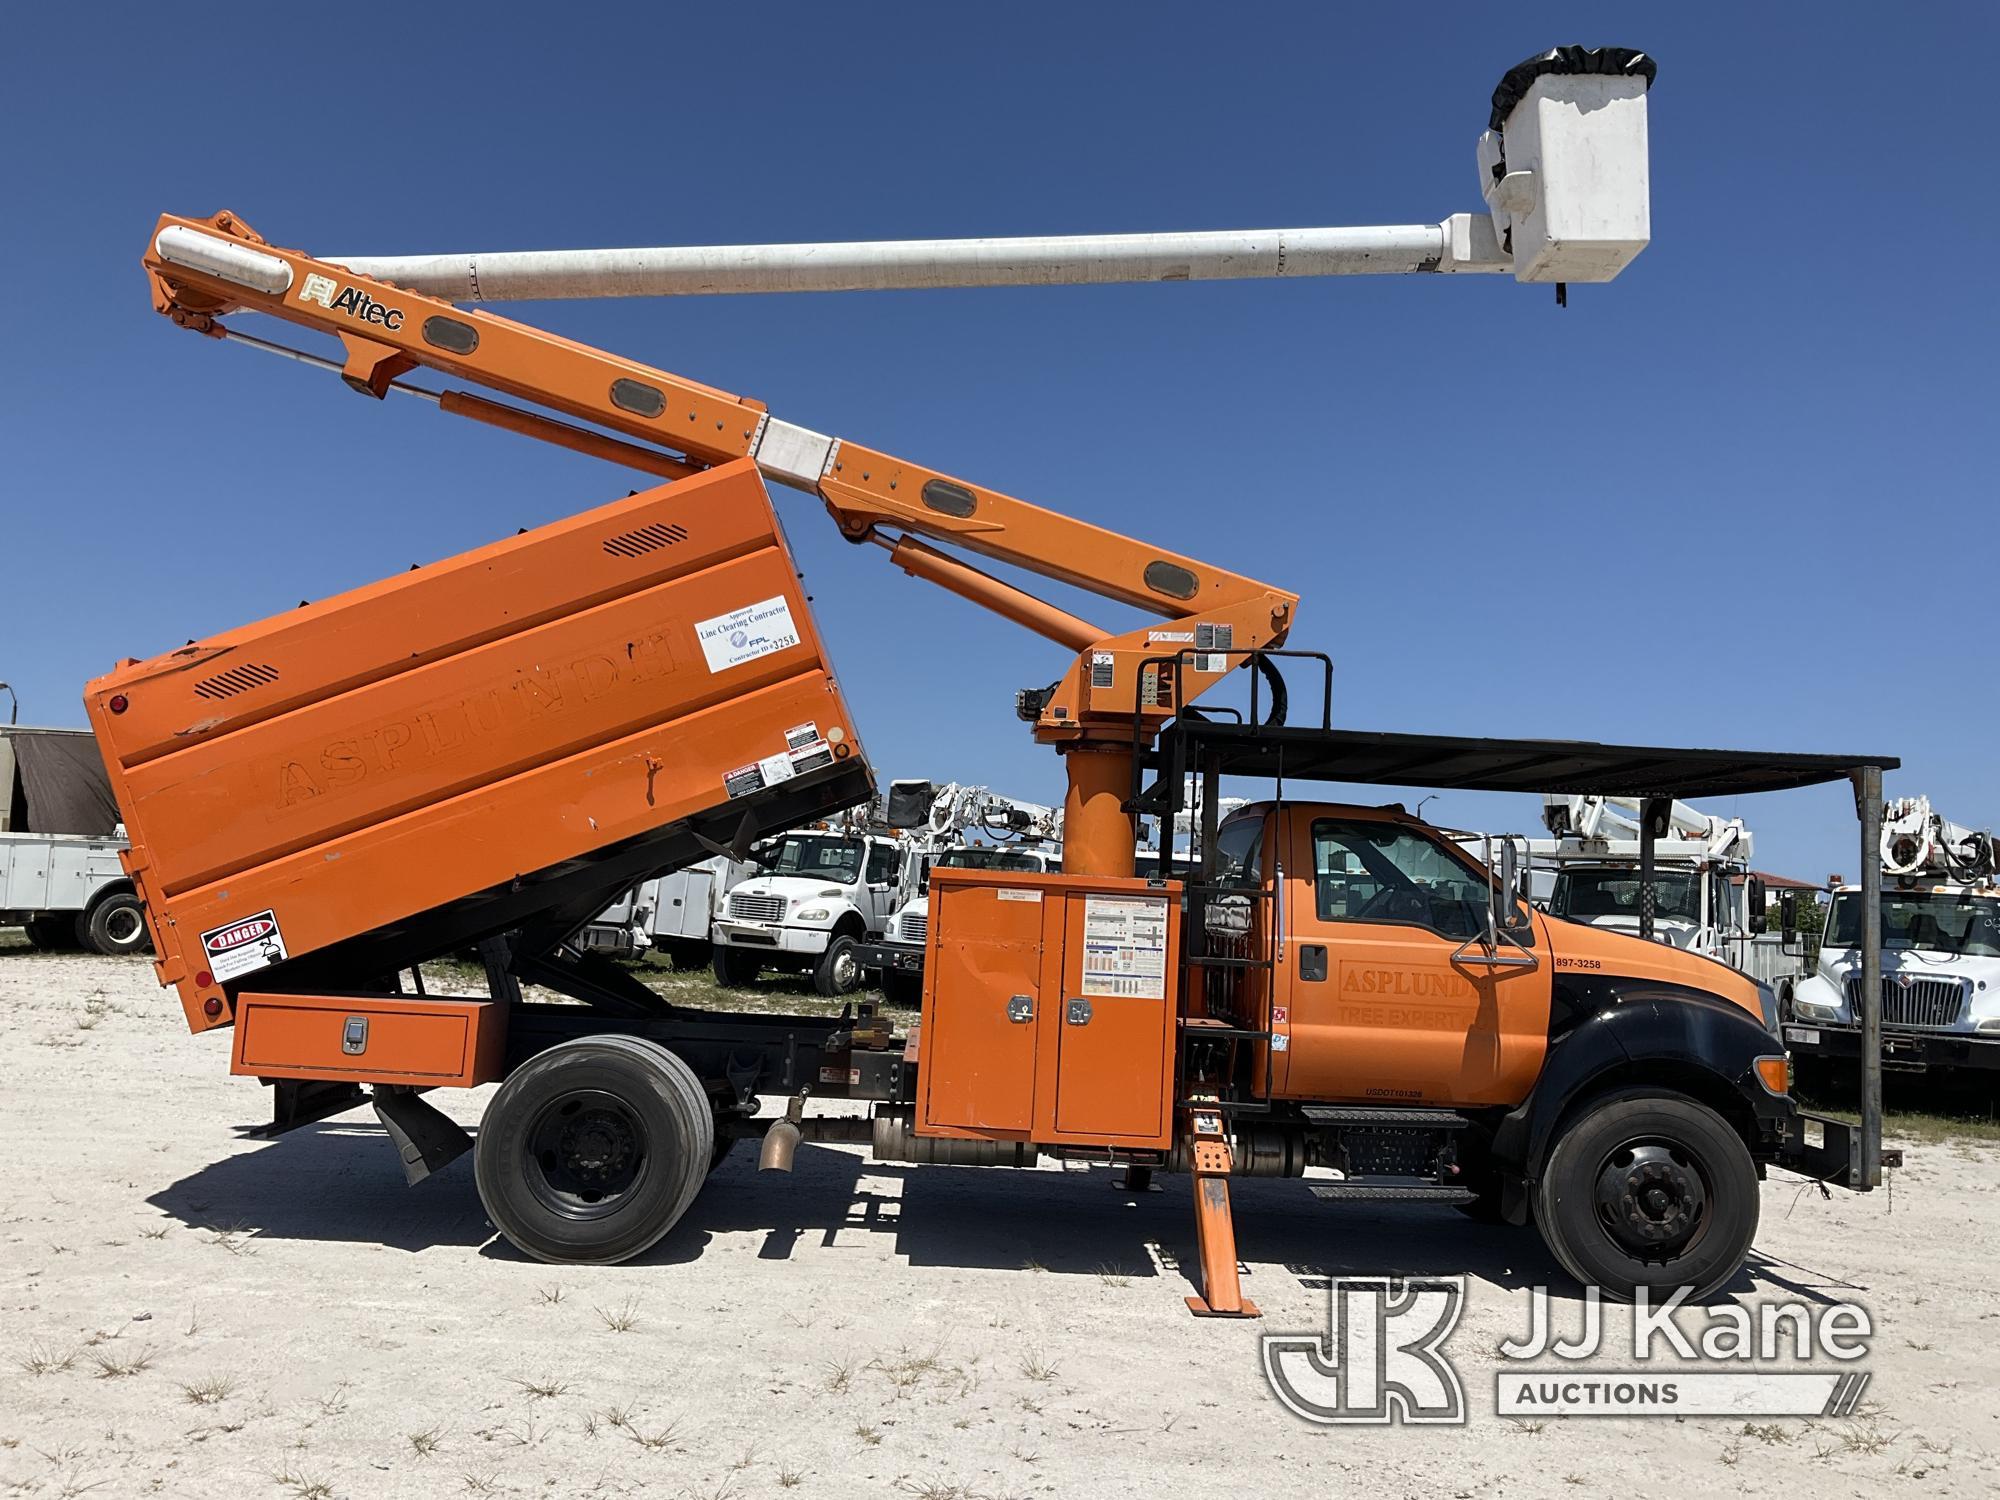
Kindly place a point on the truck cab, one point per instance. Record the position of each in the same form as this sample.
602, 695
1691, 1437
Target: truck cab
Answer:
821, 894
1940, 978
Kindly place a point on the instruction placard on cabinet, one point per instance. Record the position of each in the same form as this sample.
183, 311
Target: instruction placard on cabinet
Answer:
1125, 946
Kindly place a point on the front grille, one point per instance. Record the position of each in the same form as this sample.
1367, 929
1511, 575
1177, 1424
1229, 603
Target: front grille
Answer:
757, 908
912, 927
1928, 1004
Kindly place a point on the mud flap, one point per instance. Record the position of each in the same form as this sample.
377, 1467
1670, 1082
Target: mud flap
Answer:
425, 1139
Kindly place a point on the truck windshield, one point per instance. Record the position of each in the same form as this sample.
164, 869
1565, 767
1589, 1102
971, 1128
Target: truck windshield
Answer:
1936, 921
821, 858
1583, 894
986, 857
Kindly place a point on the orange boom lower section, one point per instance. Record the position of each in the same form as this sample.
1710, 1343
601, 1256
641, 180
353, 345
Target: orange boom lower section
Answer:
504, 738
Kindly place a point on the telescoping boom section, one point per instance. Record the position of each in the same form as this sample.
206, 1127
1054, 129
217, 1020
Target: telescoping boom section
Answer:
203, 270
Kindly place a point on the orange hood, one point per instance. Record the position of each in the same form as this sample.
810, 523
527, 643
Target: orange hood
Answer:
1577, 949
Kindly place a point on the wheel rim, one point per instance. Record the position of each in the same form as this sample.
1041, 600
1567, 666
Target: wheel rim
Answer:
586, 1154
846, 972
1654, 1199
123, 925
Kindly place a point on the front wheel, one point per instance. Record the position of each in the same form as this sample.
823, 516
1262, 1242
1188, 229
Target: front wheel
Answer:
1649, 1189
592, 1150
838, 971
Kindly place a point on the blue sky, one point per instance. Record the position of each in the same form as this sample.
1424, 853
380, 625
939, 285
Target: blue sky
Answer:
1736, 498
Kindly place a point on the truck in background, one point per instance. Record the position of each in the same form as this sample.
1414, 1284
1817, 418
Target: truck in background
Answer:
1706, 898
60, 838
674, 914
956, 827
820, 893
1940, 930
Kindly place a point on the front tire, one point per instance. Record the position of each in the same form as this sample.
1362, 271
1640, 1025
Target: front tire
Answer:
838, 971
592, 1150
1649, 1189
115, 926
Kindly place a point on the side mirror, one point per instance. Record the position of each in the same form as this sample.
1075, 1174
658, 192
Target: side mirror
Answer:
1756, 904
1510, 876
1788, 915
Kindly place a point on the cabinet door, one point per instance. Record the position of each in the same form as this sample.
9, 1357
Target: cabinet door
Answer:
978, 1035
1112, 1077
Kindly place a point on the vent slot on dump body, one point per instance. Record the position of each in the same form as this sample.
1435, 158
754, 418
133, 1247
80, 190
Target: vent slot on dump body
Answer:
236, 680
645, 539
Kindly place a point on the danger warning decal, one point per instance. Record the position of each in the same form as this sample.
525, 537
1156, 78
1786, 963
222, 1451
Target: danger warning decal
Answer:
243, 947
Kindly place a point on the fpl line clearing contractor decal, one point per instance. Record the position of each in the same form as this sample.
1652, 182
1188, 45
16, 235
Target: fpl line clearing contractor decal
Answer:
747, 633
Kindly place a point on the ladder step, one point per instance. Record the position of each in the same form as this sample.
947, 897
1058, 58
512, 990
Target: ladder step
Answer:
1217, 961
1364, 1192
1201, 1026
1368, 1114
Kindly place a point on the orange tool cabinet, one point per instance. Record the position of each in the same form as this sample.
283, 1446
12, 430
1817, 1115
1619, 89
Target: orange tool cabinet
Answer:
1049, 1009
388, 1039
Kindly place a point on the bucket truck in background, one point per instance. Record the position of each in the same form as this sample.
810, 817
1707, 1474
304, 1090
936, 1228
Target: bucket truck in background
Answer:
1705, 898
955, 827
1940, 934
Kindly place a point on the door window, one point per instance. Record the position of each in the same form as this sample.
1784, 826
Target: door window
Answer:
1384, 872
1239, 850
881, 864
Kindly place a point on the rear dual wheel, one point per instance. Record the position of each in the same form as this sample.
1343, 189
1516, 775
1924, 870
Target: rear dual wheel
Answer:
592, 1150
1649, 1189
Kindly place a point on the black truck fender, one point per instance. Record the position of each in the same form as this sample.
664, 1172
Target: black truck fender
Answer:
1631, 1033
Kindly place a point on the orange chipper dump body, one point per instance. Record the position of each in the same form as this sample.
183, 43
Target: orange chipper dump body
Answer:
504, 739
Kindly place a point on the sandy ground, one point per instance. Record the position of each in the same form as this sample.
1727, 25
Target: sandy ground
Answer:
190, 1312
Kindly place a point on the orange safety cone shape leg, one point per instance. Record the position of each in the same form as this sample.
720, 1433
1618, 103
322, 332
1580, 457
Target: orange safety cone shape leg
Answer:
1215, 1233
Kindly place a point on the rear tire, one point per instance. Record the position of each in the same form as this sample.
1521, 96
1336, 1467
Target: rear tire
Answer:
838, 971
1649, 1188
592, 1150
115, 926
736, 969
688, 954
902, 988
52, 934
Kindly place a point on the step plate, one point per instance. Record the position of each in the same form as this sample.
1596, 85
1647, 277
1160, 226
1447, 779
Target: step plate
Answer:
1362, 1192
1368, 1115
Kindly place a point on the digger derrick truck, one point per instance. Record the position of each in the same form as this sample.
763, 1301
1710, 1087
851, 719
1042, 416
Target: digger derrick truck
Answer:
1939, 924
483, 752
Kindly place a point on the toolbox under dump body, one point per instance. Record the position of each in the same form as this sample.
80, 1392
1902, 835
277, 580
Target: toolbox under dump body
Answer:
498, 742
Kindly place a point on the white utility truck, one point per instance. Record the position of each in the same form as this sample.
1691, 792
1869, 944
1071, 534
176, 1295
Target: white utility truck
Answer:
1705, 898
60, 839
1940, 918
963, 828
819, 894
674, 914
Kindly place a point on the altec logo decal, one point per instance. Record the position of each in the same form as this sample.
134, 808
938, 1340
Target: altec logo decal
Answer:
351, 300
241, 933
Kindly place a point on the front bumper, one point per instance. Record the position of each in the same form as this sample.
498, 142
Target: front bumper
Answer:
906, 958
770, 937
1826, 1150
1909, 1051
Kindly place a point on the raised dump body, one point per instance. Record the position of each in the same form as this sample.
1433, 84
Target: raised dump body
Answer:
499, 742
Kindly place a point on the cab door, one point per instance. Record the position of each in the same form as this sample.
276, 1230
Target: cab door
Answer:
1377, 993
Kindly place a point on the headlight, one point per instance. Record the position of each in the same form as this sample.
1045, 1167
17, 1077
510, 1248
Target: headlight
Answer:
813, 914
1991, 1023
1806, 1010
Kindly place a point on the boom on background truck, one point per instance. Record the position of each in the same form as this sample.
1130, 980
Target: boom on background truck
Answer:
487, 750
